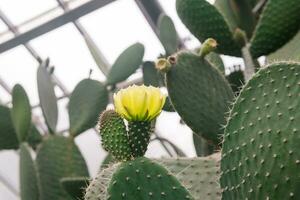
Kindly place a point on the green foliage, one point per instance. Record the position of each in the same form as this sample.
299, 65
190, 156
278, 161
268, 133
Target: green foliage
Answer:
47, 96
205, 21
88, 99
8, 136
114, 135
167, 34
75, 186
145, 179
28, 175
126, 64
58, 157
200, 94
21, 112
260, 155
278, 23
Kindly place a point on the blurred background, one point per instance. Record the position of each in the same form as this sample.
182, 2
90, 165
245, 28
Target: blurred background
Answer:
58, 29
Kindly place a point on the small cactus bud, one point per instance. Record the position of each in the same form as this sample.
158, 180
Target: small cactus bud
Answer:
208, 46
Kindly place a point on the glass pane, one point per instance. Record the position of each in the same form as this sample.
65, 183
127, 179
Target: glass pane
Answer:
117, 26
19, 11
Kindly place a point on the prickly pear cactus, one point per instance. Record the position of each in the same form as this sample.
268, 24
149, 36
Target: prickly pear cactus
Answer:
200, 94
260, 155
205, 21
144, 179
199, 175
114, 135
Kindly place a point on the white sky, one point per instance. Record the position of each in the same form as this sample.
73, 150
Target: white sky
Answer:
113, 28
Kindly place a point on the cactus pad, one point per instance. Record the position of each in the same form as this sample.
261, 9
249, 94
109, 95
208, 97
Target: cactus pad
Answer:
21, 112
260, 155
200, 94
199, 175
144, 179
205, 21
58, 157
88, 99
28, 175
114, 135
279, 22
139, 133
8, 136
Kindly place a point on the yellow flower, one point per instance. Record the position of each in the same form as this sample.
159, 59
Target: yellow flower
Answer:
139, 103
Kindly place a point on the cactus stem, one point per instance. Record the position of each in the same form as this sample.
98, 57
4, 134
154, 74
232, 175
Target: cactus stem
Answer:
249, 63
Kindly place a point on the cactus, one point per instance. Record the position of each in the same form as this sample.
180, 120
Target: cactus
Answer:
58, 157
205, 21
257, 132
209, 95
137, 179
8, 136
75, 186
88, 99
47, 96
274, 30
126, 64
21, 112
260, 157
199, 175
114, 135
28, 175
130, 179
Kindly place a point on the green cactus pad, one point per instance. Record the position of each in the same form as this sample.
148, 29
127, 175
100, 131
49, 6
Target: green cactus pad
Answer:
114, 135
200, 94
126, 64
75, 186
139, 133
199, 175
205, 21
47, 96
167, 34
150, 75
88, 99
279, 22
144, 179
290, 51
8, 136
58, 157
28, 175
260, 155
21, 112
